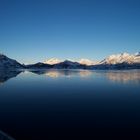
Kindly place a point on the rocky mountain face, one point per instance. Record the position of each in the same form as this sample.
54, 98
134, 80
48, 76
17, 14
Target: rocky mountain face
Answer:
7, 63
69, 65
39, 65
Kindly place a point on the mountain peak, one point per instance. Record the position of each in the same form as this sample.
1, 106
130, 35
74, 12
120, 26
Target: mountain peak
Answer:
52, 61
125, 54
67, 61
6, 62
2, 56
87, 62
70, 62
121, 58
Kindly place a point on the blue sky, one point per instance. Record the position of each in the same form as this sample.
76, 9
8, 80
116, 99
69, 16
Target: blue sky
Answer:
34, 30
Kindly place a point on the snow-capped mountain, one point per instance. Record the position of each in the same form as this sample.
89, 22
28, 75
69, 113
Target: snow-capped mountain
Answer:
122, 58
87, 62
82, 61
6, 62
117, 61
52, 61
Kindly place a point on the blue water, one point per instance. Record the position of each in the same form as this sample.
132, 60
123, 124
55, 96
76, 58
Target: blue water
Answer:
70, 104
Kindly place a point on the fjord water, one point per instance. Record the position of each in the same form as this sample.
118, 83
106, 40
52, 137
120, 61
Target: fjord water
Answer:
70, 104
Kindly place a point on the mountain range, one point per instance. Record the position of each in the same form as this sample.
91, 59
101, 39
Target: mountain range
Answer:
112, 59
118, 61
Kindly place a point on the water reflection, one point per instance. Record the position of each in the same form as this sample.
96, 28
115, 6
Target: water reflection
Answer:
63, 73
7, 74
124, 76
115, 76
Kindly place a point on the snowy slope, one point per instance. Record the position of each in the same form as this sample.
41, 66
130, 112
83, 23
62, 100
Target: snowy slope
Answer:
87, 62
122, 58
52, 61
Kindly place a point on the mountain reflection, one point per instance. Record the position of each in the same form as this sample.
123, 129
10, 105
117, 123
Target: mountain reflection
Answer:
124, 76
115, 76
7, 74
63, 73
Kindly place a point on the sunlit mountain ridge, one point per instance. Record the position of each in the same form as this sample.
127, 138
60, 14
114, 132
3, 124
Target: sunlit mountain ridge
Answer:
122, 58
112, 59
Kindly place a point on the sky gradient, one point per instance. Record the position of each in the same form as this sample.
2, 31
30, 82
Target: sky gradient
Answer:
35, 30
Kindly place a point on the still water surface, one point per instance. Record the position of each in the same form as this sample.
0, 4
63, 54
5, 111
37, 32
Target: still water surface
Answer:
70, 104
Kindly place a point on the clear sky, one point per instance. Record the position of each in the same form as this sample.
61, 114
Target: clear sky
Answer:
34, 30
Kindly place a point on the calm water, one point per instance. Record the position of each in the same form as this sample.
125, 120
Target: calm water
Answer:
70, 104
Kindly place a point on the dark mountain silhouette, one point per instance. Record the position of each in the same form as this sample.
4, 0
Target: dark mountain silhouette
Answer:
8, 63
